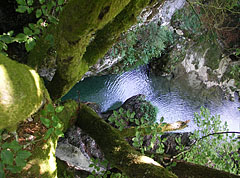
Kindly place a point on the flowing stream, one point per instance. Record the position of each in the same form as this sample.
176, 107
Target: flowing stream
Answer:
174, 98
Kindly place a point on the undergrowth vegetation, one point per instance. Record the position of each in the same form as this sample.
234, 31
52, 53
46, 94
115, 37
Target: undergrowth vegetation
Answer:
140, 44
212, 145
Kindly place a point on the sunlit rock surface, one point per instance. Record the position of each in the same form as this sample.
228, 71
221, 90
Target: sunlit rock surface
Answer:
21, 92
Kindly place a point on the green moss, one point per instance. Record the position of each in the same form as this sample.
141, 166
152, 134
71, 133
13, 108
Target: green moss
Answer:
42, 163
21, 92
213, 56
78, 23
63, 170
69, 114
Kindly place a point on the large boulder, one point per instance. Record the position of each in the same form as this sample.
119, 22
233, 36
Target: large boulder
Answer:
21, 92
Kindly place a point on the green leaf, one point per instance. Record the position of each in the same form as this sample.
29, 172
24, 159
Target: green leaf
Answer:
21, 2
36, 31
24, 154
27, 31
29, 10
41, 1
30, 2
132, 115
115, 113
121, 110
44, 112
60, 2
21, 9
162, 119
20, 162
6, 38
45, 121
137, 122
59, 133
29, 45
14, 169
55, 119
38, 13
58, 126
32, 26
53, 19
14, 145
44, 10
50, 5
48, 133
3, 46
111, 119
59, 109
7, 157
128, 113
21, 37
50, 108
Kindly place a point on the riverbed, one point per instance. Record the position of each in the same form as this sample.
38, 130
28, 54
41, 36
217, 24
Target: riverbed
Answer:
174, 98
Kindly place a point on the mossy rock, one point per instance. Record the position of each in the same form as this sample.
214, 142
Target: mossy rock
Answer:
213, 56
21, 92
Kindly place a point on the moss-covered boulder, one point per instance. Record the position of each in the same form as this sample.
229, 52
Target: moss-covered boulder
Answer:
21, 92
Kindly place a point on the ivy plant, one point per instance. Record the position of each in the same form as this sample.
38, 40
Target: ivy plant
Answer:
50, 119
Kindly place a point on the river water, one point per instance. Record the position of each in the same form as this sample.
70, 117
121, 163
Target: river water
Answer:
175, 99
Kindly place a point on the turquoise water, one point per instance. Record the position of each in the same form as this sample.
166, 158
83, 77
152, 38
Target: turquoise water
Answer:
175, 99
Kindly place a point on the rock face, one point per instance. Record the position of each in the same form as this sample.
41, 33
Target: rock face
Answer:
77, 149
159, 14
201, 65
21, 92
195, 58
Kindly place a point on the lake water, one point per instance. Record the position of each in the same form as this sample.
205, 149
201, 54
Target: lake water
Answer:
175, 99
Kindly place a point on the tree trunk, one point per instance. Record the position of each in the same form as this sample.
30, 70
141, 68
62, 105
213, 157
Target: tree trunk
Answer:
116, 150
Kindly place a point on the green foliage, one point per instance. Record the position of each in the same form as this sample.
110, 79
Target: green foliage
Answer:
121, 118
150, 111
144, 126
50, 119
46, 11
97, 173
5, 39
219, 151
189, 21
235, 74
141, 44
153, 142
12, 156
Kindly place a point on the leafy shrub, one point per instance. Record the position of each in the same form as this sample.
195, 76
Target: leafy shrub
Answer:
213, 145
139, 45
50, 119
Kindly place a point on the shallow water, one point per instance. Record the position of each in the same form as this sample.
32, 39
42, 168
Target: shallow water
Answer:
175, 99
